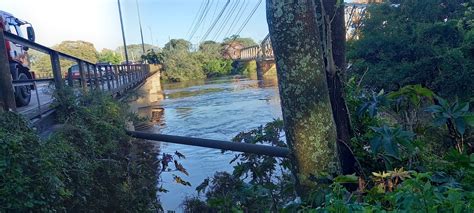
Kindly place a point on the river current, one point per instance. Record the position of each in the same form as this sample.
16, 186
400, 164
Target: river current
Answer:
212, 109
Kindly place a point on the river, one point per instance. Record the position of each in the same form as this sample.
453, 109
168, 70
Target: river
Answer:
213, 109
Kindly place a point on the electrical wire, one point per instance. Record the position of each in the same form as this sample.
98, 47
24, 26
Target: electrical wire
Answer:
237, 17
195, 18
248, 18
226, 20
215, 21
201, 19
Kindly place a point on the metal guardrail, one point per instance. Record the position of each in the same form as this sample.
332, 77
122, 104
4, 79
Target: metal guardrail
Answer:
114, 79
215, 144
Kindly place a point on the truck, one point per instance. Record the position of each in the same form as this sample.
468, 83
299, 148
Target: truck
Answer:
18, 55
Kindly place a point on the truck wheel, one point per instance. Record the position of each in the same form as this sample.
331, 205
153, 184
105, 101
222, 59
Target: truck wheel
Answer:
22, 93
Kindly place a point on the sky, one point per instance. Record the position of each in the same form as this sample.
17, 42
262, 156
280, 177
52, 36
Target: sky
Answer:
97, 21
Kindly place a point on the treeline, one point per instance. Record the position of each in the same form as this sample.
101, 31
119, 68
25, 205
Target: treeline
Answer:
211, 59
427, 42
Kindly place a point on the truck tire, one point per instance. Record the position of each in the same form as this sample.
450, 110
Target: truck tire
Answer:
22, 93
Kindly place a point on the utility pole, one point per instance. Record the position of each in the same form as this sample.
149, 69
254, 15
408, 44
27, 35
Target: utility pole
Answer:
140, 23
123, 32
151, 36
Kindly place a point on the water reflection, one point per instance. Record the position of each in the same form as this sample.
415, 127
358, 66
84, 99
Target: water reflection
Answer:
215, 109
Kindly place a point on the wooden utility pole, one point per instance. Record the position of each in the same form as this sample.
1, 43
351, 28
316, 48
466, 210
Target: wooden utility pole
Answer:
307, 113
7, 96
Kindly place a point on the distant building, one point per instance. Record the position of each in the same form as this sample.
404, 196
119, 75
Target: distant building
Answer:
232, 50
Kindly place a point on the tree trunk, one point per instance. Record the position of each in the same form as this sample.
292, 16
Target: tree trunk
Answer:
337, 44
307, 113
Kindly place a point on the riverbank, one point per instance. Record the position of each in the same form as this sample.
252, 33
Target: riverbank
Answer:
87, 164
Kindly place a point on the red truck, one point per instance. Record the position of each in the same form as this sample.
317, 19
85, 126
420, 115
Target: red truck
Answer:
18, 55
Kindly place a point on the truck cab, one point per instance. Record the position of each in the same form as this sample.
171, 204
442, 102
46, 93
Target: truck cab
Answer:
18, 55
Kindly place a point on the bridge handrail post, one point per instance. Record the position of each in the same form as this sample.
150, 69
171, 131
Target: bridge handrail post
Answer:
129, 75
83, 75
56, 67
107, 77
70, 81
96, 78
89, 78
7, 97
111, 76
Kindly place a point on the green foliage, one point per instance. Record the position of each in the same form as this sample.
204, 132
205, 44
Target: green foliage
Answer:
80, 49
109, 56
135, 51
419, 42
180, 64
217, 67
245, 42
28, 178
152, 57
269, 184
246, 68
87, 164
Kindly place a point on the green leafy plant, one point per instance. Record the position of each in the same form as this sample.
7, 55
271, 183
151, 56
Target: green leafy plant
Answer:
456, 116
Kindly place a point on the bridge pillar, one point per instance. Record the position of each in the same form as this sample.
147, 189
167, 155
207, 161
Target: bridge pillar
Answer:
263, 66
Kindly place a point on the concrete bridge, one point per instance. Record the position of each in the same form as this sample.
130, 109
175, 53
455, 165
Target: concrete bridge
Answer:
263, 53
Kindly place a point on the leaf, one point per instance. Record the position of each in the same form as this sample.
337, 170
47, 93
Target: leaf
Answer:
460, 125
434, 109
202, 187
180, 168
469, 119
161, 189
179, 155
177, 179
346, 179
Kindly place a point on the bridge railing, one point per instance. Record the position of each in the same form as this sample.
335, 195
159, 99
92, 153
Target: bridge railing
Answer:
114, 79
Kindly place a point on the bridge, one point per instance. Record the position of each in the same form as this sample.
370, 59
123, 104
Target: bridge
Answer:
113, 79
263, 53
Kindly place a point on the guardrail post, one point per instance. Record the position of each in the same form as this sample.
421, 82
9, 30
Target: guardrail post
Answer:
117, 75
107, 77
129, 75
89, 76
112, 76
96, 79
7, 97
101, 78
56, 66
70, 81
83, 75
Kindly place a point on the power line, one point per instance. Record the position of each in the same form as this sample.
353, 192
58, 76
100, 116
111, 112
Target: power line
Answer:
200, 19
226, 20
249, 17
215, 21
238, 16
195, 18
208, 20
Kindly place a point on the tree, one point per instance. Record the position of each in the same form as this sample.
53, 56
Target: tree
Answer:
178, 44
246, 42
307, 113
211, 48
419, 42
80, 49
135, 51
110, 56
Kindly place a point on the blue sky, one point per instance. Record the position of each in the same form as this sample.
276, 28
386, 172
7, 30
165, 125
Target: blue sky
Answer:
97, 21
